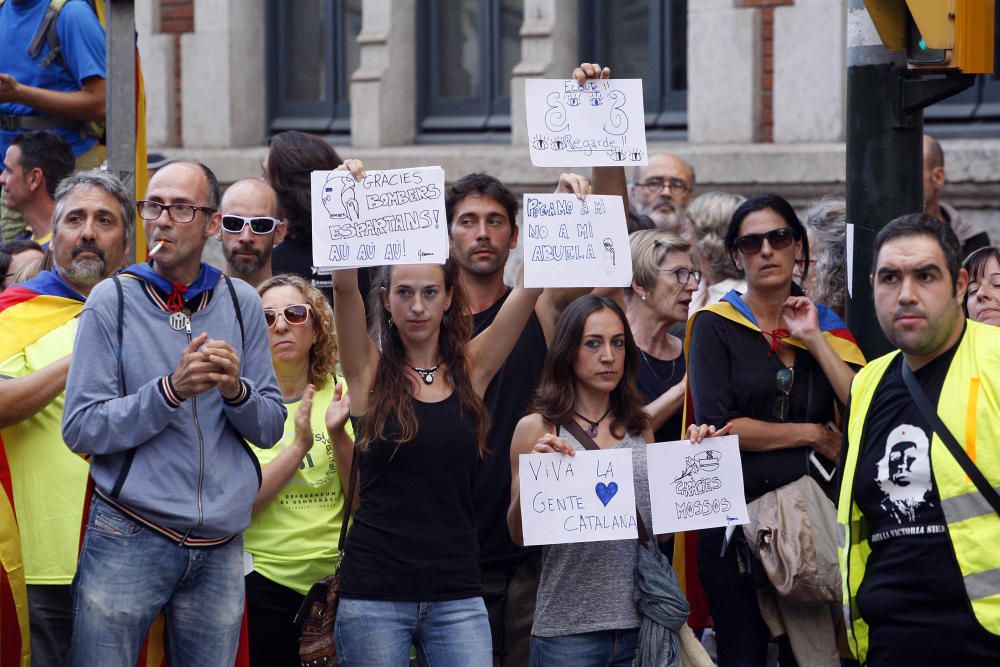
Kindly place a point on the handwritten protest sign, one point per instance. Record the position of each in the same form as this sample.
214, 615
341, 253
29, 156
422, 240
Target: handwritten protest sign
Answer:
598, 123
696, 486
576, 243
589, 497
391, 217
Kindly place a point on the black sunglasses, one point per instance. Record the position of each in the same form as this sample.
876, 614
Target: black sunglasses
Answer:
234, 224
778, 239
295, 314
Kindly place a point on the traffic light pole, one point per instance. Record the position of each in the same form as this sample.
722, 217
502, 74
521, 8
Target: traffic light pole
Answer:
120, 53
884, 180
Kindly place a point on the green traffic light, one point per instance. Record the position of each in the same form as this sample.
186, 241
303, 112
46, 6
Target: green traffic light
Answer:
922, 44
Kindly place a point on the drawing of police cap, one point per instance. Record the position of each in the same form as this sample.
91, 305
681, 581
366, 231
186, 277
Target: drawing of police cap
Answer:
708, 460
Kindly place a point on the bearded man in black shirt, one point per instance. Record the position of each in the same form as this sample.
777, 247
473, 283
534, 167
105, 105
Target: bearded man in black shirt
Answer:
919, 555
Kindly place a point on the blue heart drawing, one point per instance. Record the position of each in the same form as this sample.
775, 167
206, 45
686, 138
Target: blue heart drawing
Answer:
605, 492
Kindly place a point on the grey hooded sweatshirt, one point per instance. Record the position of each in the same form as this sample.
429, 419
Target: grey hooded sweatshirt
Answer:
180, 465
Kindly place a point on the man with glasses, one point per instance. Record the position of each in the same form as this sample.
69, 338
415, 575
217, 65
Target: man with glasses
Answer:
250, 229
662, 191
171, 378
93, 221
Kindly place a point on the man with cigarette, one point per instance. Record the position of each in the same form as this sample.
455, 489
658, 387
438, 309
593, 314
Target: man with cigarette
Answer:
92, 224
171, 378
250, 229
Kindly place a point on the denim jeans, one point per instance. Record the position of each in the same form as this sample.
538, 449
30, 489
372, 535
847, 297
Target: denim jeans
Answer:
378, 633
605, 648
128, 574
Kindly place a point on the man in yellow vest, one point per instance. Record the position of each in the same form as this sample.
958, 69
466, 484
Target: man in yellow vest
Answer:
919, 544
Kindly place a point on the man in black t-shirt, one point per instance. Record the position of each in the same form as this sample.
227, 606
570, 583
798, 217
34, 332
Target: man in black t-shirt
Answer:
910, 516
482, 214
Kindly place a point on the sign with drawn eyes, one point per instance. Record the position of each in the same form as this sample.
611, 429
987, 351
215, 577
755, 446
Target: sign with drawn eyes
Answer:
573, 242
696, 486
601, 123
589, 497
390, 217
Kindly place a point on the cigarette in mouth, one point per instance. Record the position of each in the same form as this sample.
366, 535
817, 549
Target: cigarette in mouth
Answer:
156, 248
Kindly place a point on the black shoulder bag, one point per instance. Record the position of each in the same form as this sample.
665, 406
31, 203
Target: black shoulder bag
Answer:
956, 450
319, 609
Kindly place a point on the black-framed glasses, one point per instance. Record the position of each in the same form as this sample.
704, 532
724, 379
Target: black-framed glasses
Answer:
784, 379
234, 224
182, 213
294, 314
778, 239
675, 185
683, 274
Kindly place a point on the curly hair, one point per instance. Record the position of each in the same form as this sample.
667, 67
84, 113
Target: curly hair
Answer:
709, 215
555, 398
826, 222
292, 158
323, 353
391, 398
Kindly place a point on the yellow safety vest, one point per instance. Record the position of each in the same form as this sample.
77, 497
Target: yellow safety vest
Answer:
969, 406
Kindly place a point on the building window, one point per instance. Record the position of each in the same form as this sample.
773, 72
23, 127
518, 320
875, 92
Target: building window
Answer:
312, 52
467, 51
642, 39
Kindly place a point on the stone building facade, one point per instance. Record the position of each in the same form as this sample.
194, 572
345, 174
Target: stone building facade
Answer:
754, 90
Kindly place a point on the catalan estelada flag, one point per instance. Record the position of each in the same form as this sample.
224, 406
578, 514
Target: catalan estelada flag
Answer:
27, 312
733, 308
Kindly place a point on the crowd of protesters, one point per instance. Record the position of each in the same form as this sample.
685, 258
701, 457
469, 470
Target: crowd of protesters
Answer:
204, 425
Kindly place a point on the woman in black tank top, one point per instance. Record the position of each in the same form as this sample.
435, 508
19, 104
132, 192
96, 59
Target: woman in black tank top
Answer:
410, 573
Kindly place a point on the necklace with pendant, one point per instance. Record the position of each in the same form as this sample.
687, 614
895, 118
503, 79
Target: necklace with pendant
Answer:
426, 373
591, 429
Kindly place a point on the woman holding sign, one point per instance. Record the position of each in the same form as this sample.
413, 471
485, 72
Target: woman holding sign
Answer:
776, 366
585, 613
411, 572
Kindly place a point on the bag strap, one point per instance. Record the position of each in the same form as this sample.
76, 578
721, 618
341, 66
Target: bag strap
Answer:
355, 460
930, 414
236, 307
588, 443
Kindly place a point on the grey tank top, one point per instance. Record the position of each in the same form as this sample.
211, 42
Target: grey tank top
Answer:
589, 586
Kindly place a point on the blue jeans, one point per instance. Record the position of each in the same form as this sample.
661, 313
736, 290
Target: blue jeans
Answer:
128, 574
604, 648
454, 633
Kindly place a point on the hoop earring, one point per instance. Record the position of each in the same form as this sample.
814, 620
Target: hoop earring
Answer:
391, 325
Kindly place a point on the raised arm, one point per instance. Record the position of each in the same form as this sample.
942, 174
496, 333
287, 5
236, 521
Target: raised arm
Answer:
489, 350
358, 354
802, 319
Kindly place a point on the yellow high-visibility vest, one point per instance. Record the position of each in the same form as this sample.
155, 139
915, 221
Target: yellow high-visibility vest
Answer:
969, 405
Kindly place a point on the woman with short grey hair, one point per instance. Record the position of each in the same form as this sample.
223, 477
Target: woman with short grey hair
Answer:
826, 225
708, 217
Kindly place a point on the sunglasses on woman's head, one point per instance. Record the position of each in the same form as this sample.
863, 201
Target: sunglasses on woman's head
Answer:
778, 239
234, 224
295, 314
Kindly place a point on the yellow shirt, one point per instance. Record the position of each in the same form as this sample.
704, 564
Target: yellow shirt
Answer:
49, 481
294, 537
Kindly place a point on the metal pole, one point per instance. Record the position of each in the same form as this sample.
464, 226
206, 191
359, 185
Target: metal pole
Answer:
884, 163
121, 84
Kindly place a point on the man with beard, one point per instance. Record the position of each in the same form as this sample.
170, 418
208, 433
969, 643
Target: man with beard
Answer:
662, 190
92, 224
250, 229
917, 551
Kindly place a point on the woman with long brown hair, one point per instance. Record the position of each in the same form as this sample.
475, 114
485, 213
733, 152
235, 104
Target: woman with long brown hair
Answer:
585, 612
410, 573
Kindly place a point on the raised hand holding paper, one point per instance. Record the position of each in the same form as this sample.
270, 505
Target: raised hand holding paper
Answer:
589, 497
576, 243
601, 123
696, 486
391, 217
